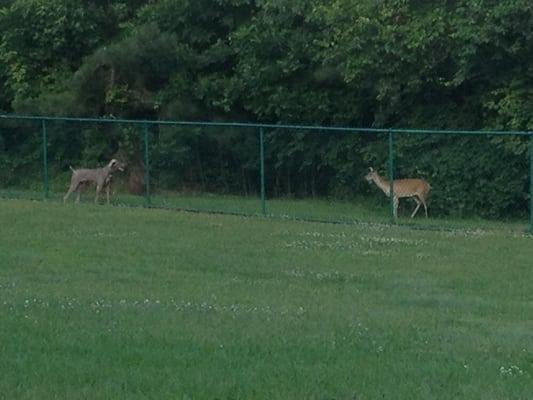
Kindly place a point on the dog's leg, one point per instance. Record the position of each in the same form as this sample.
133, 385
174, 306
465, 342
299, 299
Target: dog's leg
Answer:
74, 184
66, 196
98, 190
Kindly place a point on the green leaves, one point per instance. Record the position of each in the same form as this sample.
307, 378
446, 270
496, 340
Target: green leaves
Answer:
393, 63
41, 38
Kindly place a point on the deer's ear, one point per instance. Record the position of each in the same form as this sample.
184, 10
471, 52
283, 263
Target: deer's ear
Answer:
370, 169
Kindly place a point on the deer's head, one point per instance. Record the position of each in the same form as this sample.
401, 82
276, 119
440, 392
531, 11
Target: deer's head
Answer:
371, 175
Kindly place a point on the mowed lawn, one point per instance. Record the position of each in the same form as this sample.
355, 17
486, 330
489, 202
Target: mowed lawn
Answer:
101, 302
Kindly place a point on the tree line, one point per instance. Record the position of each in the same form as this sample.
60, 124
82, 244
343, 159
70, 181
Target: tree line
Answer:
456, 64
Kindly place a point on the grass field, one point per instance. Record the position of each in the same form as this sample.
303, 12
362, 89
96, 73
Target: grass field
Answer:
102, 302
364, 209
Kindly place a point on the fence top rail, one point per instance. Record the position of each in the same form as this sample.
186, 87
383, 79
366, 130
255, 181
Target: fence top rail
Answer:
266, 126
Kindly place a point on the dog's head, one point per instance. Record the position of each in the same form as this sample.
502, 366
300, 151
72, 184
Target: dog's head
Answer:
116, 165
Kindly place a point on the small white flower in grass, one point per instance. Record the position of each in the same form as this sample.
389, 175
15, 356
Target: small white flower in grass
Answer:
511, 370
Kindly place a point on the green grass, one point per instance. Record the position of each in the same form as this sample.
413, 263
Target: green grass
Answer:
374, 209
105, 302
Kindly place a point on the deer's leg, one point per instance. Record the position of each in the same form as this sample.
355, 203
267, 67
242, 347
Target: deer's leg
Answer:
418, 204
395, 208
107, 189
425, 206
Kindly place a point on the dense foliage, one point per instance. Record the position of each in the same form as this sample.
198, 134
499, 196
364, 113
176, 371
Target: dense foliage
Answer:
388, 63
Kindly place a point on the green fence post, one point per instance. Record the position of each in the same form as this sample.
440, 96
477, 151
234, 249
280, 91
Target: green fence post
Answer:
262, 161
147, 199
391, 175
45, 159
531, 182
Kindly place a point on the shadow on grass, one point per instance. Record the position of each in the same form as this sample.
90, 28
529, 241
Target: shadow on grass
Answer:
359, 211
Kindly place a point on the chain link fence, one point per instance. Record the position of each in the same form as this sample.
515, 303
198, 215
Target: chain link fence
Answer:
471, 179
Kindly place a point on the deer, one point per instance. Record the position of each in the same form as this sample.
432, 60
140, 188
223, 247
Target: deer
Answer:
418, 189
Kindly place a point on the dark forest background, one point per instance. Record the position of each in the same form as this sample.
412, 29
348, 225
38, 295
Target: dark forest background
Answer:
460, 64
